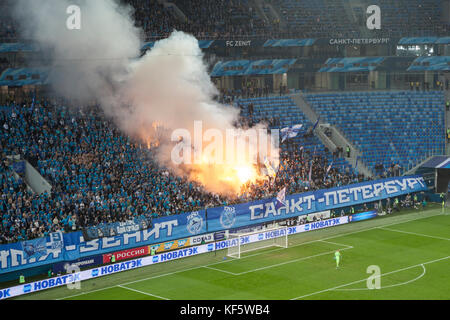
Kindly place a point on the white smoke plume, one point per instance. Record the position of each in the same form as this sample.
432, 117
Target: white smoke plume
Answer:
169, 85
86, 63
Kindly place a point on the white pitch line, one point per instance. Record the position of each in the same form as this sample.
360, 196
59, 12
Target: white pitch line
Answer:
276, 265
142, 292
220, 270
390, 286
357, 281
290, 261
313, 241
193, 268
87, 292
277, 249
414, 233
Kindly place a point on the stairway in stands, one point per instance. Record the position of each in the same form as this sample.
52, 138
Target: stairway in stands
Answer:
403, 127
288, 113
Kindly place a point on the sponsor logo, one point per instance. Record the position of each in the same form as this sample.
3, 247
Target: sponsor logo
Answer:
179, 254
292, 230
182, 242
155, 246
27, 288
94, 272
131, 253
307, 227
126, 254
55, 282
5, 293
155, 259
198, 239
168, 245
228, 217
210, 247
260, 236
121, 266
195, 223
324, 224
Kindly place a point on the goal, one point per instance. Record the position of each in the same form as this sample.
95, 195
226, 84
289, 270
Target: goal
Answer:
255, 240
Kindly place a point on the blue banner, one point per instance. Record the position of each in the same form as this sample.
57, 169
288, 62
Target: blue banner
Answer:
59, 247
18, 47
115, 228
24, 76
239, 215
289, 42
18, 166
362, 216
354, 64
430, 64
418, 40
48, 250
248, 67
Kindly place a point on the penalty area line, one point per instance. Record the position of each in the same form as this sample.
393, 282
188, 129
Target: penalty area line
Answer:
275, 265
291, 261
338, 244
224, 271
414, 233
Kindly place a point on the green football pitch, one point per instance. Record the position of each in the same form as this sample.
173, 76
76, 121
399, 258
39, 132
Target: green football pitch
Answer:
410, 249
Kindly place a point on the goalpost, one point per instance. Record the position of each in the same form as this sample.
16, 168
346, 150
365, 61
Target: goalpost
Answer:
255, 240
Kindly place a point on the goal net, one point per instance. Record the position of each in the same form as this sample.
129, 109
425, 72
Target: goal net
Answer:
255, 240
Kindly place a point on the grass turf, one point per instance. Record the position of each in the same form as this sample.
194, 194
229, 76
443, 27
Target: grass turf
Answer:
412, 250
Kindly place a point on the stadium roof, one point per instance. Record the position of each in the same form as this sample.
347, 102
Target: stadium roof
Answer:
439, 162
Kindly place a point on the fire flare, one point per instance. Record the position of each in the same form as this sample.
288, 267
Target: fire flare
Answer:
228, 178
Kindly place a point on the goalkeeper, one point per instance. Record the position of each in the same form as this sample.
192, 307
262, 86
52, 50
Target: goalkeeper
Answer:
442, 195
337, 257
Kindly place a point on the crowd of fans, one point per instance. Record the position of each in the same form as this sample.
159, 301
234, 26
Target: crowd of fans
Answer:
203, 18
339, 19
300, 171
8, 30
96, 173
99, 175
222, 18
154, 19
303, 19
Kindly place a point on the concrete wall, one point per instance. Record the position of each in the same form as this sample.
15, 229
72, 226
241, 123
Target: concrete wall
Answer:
35, 180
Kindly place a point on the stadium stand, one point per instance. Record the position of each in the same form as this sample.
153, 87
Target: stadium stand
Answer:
330, 18
154, 19
100, 176
411, 17
13, 191
389, 127
97, 174
221, 18
303, 19
297, 153
319, 18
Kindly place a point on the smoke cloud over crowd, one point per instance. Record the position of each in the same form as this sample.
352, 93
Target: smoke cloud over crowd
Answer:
168, 87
